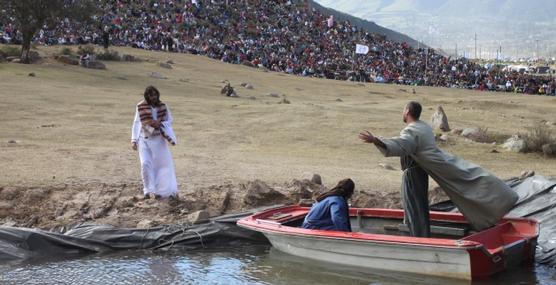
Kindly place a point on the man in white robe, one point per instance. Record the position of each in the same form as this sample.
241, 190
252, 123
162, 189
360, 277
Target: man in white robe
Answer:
480, 196
150, 135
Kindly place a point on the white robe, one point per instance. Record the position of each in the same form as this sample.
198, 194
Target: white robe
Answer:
480, 196
157, 167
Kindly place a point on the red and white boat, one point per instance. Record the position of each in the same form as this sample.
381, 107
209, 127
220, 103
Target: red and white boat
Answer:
379, 240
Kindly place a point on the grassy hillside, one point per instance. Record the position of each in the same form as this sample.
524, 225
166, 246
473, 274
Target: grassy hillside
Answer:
70, 124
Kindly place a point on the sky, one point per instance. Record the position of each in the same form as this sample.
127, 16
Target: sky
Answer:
503, 28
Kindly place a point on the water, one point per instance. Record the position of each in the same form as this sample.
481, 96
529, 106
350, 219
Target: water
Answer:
244, 264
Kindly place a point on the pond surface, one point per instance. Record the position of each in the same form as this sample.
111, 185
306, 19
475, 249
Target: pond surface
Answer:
243, 264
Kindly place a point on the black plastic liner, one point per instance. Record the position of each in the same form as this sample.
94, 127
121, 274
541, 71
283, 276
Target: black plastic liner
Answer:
537, 200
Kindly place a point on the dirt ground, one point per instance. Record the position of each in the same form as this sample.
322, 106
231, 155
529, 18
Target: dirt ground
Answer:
65, 150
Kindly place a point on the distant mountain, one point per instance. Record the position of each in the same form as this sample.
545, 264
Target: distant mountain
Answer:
365, 24
521, 28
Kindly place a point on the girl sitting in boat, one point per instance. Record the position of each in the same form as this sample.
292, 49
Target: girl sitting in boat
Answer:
331, 212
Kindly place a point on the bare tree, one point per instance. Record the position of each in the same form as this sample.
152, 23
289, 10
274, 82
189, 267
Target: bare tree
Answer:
32, 15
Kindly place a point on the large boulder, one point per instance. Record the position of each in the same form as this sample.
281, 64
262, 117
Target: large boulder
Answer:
298, 190
260, 194
515, 144
439, 120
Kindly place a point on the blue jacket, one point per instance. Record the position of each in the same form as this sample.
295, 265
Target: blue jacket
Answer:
329, 214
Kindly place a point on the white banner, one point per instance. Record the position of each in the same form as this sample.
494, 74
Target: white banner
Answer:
361, 49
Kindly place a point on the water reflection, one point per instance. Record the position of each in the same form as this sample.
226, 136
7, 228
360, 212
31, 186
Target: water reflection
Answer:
244, 264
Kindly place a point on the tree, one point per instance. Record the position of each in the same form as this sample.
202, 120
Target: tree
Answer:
32, 15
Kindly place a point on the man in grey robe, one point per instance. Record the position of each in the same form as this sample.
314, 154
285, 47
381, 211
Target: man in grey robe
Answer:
480, 196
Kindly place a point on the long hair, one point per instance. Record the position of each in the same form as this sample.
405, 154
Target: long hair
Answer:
149, 91
344, 189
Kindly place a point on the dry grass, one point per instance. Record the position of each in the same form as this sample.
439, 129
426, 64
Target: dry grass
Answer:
538, 136
72, 124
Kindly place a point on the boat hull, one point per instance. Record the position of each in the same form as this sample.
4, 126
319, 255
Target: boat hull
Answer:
443, 262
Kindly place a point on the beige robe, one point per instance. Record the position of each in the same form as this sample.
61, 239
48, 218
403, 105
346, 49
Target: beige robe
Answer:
480, 196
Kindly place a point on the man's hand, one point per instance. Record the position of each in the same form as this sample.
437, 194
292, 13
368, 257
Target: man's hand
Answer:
134, 146
367, 137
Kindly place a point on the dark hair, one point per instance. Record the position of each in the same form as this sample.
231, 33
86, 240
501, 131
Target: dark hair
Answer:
149, 91
344, 188
414, 109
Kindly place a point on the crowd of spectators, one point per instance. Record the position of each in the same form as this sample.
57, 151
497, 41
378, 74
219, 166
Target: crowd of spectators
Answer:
281, 35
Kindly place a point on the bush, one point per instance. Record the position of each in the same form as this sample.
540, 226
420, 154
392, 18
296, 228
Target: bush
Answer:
90, 49
109, 55
538, 136
477, 135
66, 51
10, 51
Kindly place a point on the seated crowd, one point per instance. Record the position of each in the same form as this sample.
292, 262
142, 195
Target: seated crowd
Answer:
283, 35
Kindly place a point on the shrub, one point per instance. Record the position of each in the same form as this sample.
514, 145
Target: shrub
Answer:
90, 49
10, 51
477, 134
66, 51
538, 136
109, 55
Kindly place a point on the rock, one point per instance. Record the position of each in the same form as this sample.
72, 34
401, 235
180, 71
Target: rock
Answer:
96, 65
165, 65
316, 179
339, 100
260, 194
494, 151
443, 138
5, 209
470, 132
549, 150
457, 132
198, 217
303, 189
32, 74
439, 120
284, 101
156, 75
306, 202
11, 58
66, 59
248, 86
414, 91
273, 95
17, 60
515, 144
170, 61
12, 141
145, 224
526, 173
9, 223
386, 166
